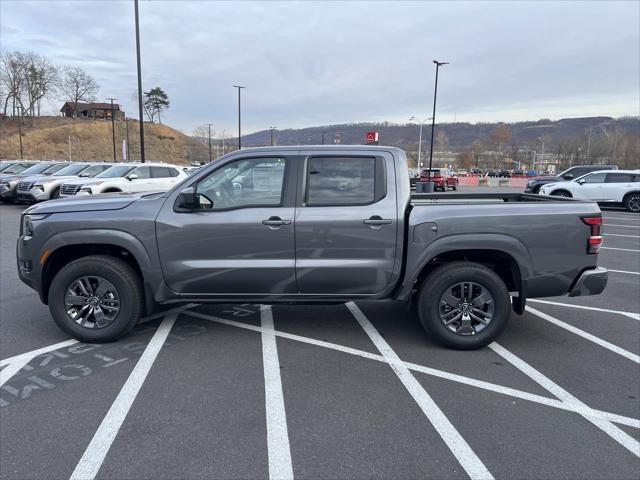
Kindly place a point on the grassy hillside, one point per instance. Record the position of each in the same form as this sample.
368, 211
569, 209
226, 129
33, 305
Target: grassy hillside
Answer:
57, 138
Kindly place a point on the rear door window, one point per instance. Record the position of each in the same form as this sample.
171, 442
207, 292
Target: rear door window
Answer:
345, 181
160, 172
619, 177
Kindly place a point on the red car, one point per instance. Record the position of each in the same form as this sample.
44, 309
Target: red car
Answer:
443, 178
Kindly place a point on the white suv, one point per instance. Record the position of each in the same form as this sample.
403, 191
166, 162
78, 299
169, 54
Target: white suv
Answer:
129, 178
609, 186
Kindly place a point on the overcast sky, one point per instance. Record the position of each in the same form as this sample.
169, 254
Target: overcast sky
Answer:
307, 64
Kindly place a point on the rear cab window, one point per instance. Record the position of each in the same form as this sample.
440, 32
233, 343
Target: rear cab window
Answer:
344, 181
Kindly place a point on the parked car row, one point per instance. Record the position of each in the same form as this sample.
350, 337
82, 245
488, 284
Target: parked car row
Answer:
604, 186
47, 180
443, 178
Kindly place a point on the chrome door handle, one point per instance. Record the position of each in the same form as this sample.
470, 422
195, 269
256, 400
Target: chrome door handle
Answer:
376, 221
275, 222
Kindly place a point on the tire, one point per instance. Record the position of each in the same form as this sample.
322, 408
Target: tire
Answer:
454, 187
561, 193
119, 282
632, 202
55, 193
446, 279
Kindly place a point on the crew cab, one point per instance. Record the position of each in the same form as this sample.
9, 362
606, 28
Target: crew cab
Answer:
443, 178
127, 177
311, 224
41, 188
606, 187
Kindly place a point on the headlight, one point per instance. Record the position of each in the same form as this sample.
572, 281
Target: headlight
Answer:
27, 223
5, 184
41, 187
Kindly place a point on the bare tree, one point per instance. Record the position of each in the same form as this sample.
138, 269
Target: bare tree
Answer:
77, 86
13, 72
40, 80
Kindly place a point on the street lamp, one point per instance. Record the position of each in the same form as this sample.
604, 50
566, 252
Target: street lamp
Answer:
135, 3
271, 129
419, 139
429, 185
239, 87
209, 124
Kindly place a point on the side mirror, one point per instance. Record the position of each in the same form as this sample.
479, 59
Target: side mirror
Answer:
187, 199
581, 182
568, 176
132, 176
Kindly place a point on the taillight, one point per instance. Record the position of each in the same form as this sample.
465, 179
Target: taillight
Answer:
594, 242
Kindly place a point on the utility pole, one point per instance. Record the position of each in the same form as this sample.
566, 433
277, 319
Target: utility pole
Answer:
126, 122
20, 130
209, 125
589, 146
271, 129
429, 186
135, 2
113, 127
69, 147
323, 132
239, 87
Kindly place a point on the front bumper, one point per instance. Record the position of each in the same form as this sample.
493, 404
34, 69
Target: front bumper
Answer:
7, 193
590, 282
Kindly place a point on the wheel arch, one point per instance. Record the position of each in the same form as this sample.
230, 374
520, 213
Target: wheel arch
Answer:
505, 255
69, 246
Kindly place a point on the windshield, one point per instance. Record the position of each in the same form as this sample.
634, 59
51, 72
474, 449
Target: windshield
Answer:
70, 170
115, 171
38, 168
94, 170
53, 168
15, 168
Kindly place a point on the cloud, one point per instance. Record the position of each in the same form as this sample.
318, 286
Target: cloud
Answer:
311, 63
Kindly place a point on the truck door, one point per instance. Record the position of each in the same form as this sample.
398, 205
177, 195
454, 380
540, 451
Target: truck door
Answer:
239, 239
346, 224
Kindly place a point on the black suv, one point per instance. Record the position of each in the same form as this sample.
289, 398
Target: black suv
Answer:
533, 185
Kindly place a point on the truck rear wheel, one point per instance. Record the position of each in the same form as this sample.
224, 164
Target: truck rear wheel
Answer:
96, 299
464, 305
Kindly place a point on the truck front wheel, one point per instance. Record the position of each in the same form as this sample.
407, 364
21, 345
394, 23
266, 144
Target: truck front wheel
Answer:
464, 305
96, 299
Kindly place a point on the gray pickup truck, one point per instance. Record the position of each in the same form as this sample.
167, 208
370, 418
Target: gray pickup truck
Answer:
308, 224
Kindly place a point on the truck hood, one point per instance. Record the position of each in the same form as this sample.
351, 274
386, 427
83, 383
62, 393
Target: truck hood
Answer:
105, 201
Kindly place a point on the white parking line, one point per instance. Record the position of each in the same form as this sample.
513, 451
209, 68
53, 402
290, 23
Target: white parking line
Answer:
623, 249
629, 218
635, 316
587, 336
618, 235
623, 271
279, 452
13, 368
452, 438
35, 353
623, 438
616, 225
94, 455
472, 382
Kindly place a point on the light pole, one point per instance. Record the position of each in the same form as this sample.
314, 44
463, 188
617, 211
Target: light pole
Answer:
113, 128
271, 129
135, 3
419, 140
429, 185
20, 111
209, 124
239, 87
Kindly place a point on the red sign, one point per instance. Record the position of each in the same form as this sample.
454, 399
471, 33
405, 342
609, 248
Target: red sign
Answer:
372, 137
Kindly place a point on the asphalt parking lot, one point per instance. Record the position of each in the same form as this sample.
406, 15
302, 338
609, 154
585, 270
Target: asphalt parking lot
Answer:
347, 391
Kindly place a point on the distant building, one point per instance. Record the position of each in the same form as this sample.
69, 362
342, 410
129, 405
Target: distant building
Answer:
92, 110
